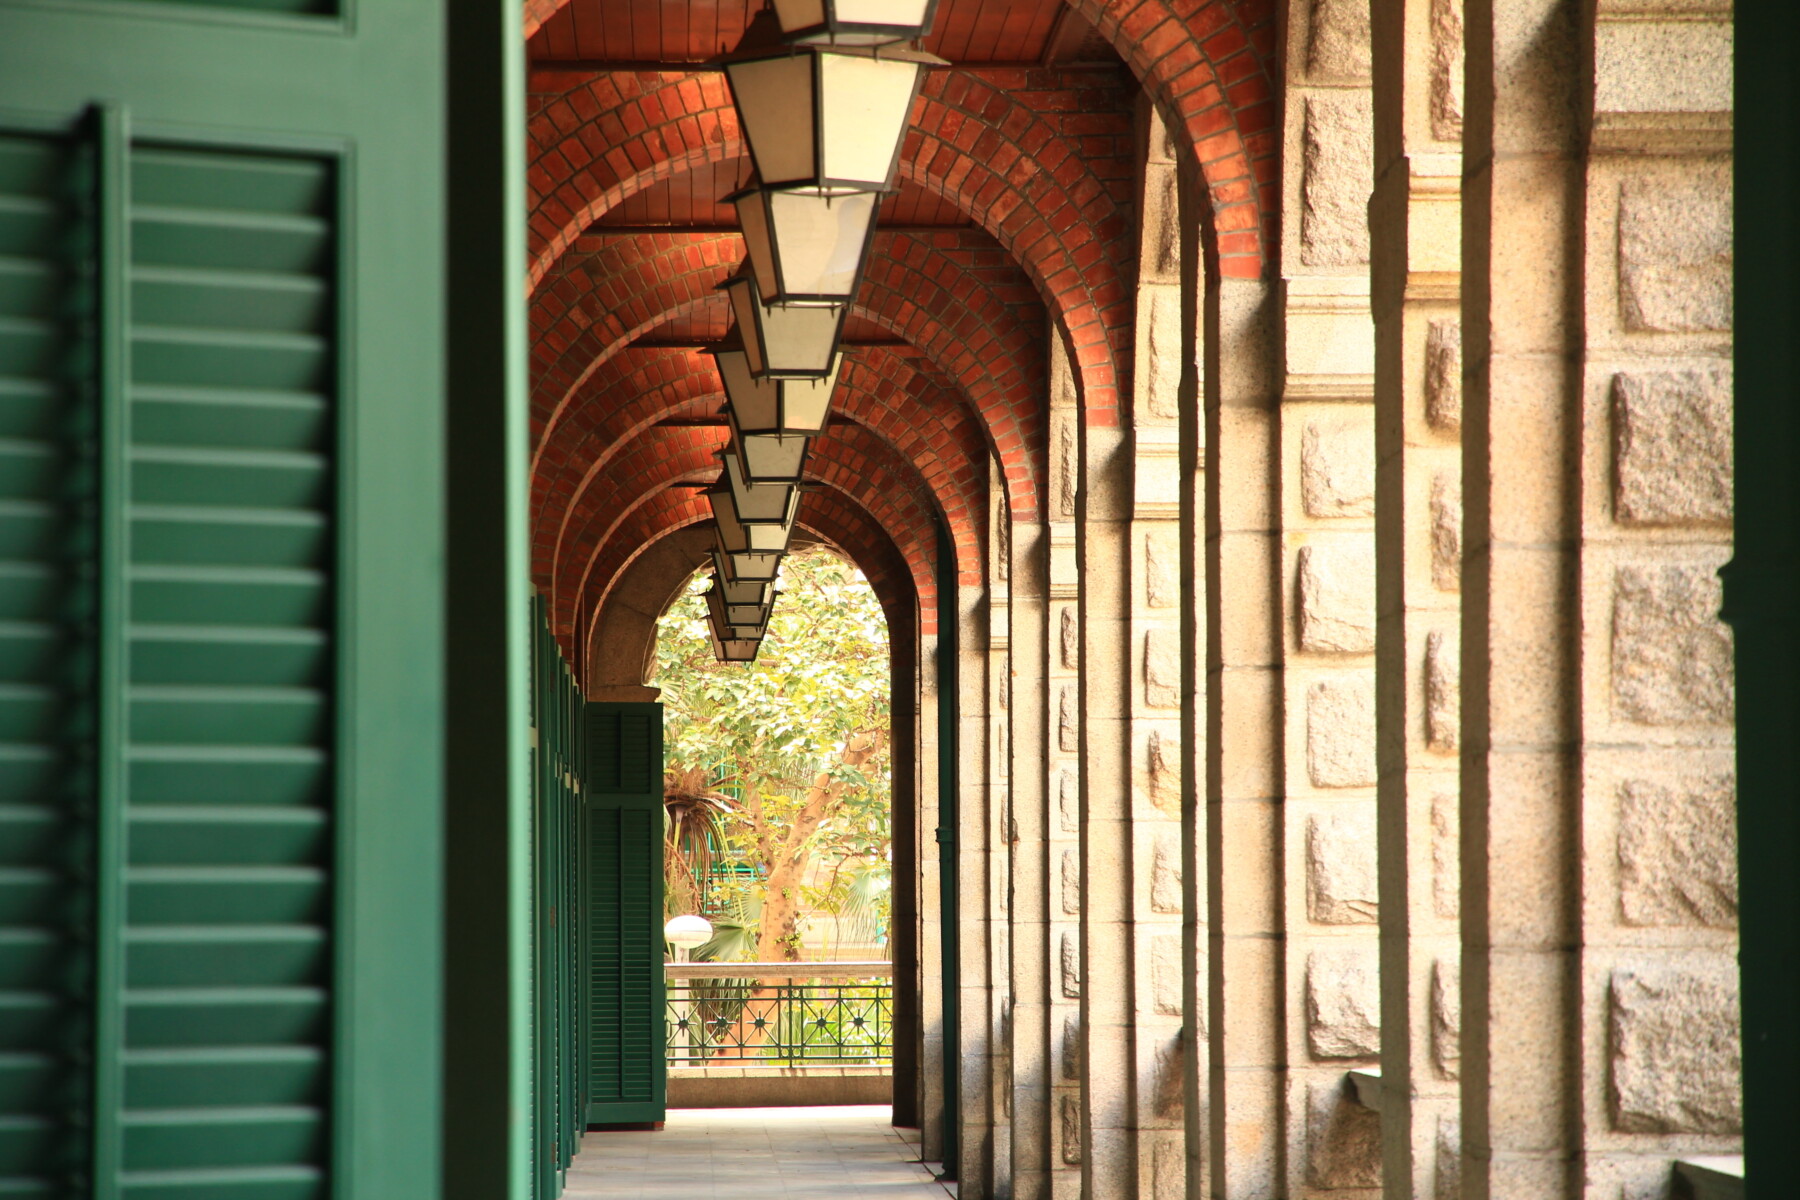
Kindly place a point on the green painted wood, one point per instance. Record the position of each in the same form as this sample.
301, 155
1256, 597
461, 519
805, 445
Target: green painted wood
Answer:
239, 912
627, 1064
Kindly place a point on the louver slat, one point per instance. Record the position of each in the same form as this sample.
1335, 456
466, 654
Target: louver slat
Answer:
228, 939
45, 686
623, 769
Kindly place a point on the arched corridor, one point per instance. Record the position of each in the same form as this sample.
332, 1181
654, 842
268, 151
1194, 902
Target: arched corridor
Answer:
1325, 472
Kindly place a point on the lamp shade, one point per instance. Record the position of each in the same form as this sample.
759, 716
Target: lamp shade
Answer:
735, 617
744, 591
741, 650
766, 537
746, 566
784, 340
855, 22
759, 503
806, 245
821, 115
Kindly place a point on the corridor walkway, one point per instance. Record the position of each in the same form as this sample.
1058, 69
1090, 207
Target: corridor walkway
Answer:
756, 1154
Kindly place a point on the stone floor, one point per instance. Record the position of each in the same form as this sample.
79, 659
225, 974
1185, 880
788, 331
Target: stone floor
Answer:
757, 1154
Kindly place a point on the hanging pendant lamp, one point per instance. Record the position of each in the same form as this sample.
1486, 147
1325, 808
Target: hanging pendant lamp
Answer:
736, 618
772, 419
746, 566
744, 591
855, 22
734, 650
806, 245
740, 537
784, 341
759, 503
823, 116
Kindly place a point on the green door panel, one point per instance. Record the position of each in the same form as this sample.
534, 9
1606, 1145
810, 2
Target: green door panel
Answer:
221, 406
627, 1064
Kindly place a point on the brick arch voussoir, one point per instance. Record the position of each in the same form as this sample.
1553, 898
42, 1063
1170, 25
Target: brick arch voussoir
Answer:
1210, 68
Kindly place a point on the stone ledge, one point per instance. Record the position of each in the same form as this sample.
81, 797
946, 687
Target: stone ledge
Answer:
778, 1087
1711, 1178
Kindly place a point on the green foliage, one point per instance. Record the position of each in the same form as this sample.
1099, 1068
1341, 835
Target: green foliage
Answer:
764, 730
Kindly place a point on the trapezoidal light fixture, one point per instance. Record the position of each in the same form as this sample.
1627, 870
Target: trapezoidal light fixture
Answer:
823, 116
735, 618
744, 591
740, 537
784, 341
734, 650
806, 245
758, 503
855, 22
746, 566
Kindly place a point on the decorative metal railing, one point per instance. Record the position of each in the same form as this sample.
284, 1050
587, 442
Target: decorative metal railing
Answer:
781, 1015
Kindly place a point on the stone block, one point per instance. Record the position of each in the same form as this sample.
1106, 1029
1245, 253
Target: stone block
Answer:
1671, 655
1068, 719
1678, 852
1447, 1168
1071, 964
1676, 1062
1675, 252
1165, 974
1068, 800
1340, 868
1343, 1003
1443, 692
1071, 1130
1162, 668
1339, 158
1340, 733
1447, 70
1162, 222
1443, 376
1071, 637
1446, 855
1168, 1170
1068, 467
1446, 1017
1162, 569
1337, 469
1343, 1140
1071, 1046
1165, 875
1337, 597
1446, 531
1071, 882
1171, 1060
1164, 769
1338, 50
1672, 447
1162, 380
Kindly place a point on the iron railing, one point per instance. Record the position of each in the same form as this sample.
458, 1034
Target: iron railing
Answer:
780, 1015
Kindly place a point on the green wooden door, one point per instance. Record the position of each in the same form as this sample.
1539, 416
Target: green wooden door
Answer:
220, 629
627, 1034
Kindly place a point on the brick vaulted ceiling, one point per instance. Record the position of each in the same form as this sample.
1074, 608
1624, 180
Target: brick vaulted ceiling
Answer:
1013, 222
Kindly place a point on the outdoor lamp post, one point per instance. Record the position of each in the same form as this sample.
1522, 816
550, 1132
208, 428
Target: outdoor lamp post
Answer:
783, 340
739, 536
806, 245
826, 116
855, 22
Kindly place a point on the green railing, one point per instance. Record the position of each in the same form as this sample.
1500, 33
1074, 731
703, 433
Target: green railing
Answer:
780, 1015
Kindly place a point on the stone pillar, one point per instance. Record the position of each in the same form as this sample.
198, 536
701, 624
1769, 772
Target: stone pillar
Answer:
1522, 270
1063, 742
978, 927
998, 1160
928, 927
1108, 1031
1415, 276
1325, 852
1155, 700
1034, 819
1657, 1009
1245, 1017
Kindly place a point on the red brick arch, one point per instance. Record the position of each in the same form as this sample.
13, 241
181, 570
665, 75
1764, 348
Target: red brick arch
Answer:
931, 290
848, 457
920, 421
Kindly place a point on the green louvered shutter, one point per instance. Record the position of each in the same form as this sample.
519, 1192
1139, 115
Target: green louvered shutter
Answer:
221, 419
627, 1039
47, 785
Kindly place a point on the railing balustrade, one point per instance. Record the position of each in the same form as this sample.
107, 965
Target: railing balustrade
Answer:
780, 1014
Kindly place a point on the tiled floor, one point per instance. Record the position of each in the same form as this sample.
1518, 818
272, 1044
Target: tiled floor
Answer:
757, 1154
